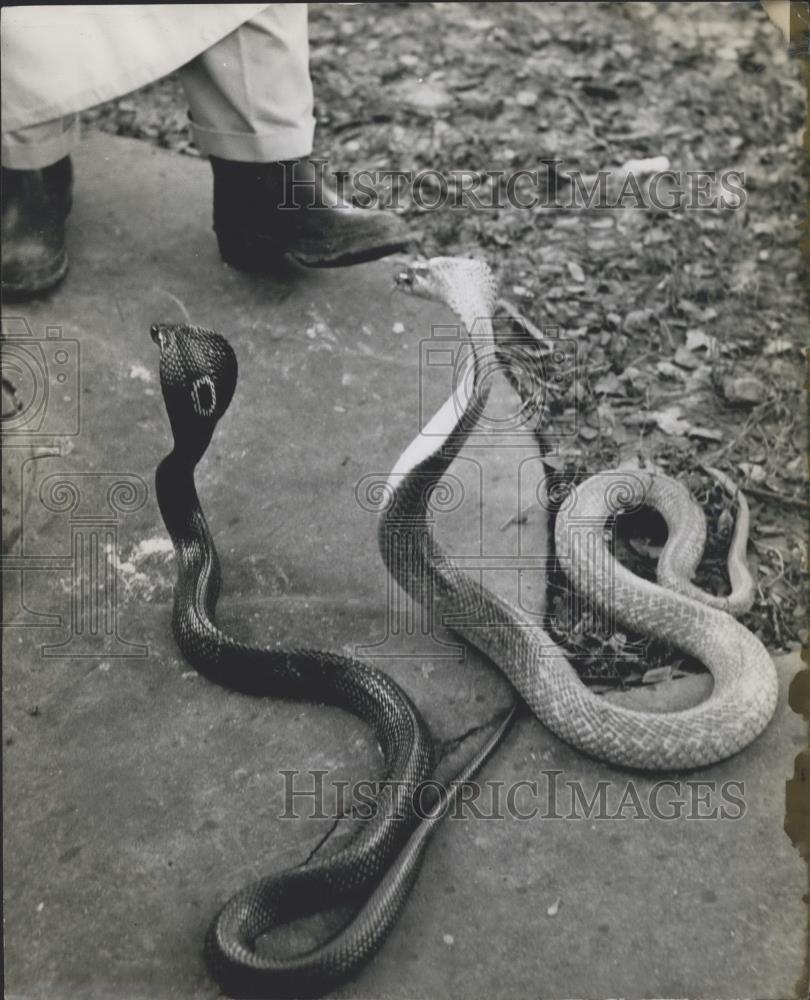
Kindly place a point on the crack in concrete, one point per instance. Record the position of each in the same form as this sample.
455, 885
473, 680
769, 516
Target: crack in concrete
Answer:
447, 746
444, 747
321, 842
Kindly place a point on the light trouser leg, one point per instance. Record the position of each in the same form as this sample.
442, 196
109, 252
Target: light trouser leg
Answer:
251, 113
250, 94
40, 145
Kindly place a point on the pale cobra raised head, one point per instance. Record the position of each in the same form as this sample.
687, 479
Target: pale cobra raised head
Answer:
465, 284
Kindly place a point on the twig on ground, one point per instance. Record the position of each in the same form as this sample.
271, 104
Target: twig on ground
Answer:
583, 111
765, 494
177, 302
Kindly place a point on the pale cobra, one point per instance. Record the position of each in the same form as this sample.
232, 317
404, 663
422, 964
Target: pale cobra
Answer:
744, 694
378, 866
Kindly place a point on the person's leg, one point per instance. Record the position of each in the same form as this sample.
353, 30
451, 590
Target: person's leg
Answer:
37, 182
250, 100
250, 95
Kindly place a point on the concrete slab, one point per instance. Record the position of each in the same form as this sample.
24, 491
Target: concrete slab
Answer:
138, 796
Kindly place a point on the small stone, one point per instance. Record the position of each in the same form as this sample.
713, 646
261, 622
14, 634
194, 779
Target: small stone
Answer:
526, 98
448, 939
398, 328
745, 390
428, 98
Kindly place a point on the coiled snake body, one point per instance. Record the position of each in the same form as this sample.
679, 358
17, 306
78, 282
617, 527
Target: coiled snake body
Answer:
745, 685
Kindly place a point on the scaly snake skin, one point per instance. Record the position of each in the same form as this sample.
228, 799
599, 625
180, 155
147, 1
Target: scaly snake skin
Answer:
745, 684
379, 865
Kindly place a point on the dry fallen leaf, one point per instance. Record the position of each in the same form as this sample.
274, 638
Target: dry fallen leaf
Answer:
669, 421
575, 271
705, 434
755, 474
639, 321
608, 385
699, 340
777, 346
667, 370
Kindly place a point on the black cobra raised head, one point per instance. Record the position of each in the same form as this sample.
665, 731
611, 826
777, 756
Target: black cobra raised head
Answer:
198, 372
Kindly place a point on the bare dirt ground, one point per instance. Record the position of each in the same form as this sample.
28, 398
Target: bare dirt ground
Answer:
689, 324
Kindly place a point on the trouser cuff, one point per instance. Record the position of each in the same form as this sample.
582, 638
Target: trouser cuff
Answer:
284, 143
40, 145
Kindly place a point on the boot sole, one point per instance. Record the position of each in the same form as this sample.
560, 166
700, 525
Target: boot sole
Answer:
258, 254
36, 284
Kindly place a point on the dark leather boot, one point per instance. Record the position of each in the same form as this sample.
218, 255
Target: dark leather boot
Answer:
265, 210
35, 206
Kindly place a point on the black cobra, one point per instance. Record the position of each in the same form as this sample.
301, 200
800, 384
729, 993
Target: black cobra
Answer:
198, 373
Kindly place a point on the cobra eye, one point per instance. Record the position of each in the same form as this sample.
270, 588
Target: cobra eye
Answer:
204, 396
